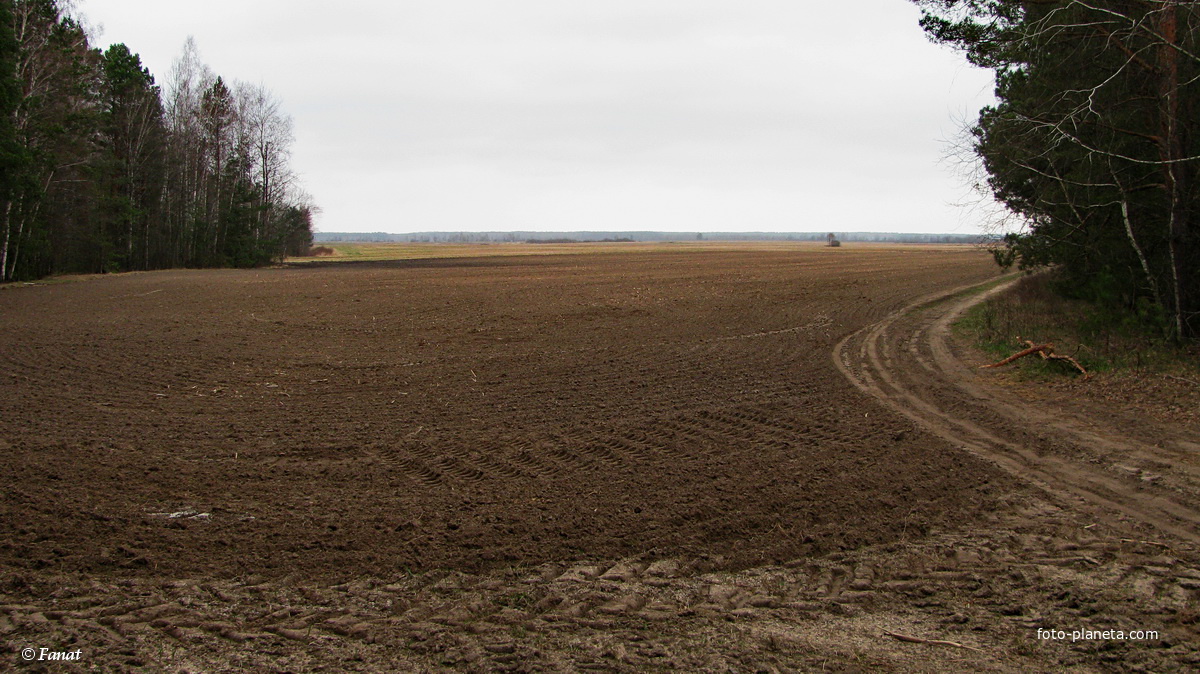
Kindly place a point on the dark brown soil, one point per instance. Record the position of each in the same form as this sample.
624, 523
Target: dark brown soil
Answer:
545, 462
338, 421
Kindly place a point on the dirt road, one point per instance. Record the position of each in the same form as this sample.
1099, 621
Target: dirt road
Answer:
1138, 468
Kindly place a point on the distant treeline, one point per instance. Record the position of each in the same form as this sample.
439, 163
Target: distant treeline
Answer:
101, 170
581, 237
569, 240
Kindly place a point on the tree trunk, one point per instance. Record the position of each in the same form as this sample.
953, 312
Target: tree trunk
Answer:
16, 249
1141, 255
1171, 153
4, 245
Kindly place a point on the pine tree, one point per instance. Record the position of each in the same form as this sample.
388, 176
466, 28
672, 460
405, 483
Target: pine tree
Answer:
130, 178
1093, 142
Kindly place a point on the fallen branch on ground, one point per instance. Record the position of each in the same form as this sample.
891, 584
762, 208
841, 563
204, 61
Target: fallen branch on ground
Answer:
1020, 354
934, 642
1132, 540
1046, 351
1183, 379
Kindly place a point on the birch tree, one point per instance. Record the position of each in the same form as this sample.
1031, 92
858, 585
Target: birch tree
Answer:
266, 133
186, 170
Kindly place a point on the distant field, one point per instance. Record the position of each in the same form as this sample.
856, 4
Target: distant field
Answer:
378, 252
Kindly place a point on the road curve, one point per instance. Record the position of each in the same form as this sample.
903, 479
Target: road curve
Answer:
907, 362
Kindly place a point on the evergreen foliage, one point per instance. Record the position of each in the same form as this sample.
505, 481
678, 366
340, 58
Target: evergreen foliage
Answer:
100, 172
1093, 142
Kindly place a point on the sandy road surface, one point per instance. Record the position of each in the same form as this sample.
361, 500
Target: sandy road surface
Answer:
1135, 469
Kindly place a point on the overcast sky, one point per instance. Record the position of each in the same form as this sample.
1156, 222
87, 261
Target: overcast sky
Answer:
674, 115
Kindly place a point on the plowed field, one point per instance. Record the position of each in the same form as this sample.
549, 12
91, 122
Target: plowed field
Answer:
462, 414
391, 465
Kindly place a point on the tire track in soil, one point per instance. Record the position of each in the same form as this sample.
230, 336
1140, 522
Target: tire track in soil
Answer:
411, 464
906, 362
663, 612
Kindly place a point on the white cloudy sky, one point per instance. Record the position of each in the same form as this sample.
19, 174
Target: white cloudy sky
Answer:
675, 115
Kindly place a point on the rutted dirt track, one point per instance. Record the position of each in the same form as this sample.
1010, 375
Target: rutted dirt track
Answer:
1144, 471
613, 461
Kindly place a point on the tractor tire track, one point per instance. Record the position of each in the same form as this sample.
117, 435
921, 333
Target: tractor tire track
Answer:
906, 361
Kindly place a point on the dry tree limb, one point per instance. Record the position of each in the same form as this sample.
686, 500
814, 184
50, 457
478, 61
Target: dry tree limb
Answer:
1020, 354
933, 642
1183, 379
1053, 356
1046, 351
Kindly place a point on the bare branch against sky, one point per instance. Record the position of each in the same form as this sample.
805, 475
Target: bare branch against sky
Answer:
674, 115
